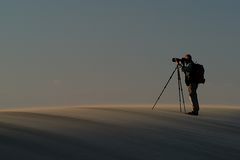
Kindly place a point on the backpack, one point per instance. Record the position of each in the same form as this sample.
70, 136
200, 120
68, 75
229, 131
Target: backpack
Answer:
198, 73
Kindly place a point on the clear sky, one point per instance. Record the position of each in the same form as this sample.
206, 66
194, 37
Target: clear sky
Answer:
69, 52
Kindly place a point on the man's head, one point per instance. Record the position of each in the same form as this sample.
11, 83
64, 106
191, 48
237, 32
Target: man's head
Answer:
187, 58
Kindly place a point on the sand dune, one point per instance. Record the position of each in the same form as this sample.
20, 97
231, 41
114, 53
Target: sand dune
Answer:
119, 132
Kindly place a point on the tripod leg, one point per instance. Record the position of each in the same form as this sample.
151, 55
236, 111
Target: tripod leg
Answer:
179, 89
165, 87
183, 97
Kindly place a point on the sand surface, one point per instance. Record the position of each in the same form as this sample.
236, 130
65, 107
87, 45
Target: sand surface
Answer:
119, 132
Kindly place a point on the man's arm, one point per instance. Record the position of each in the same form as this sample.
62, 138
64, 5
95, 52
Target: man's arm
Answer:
187, 68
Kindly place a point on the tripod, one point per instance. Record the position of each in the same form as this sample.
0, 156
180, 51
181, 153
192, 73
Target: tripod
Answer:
180, 89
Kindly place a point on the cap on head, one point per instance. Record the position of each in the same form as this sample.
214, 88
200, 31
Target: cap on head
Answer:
188, 56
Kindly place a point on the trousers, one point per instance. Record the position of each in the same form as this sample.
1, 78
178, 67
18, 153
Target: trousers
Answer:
192, 89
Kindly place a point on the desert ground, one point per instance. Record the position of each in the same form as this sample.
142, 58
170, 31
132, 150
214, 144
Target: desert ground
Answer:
119, 132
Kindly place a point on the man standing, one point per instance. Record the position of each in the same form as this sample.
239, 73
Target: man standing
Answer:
191, 82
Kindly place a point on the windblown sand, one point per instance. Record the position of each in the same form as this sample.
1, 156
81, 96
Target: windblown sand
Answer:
120, 132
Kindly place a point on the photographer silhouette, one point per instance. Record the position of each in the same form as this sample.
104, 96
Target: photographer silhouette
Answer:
191, 81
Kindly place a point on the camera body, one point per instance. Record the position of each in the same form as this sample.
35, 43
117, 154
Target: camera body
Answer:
181, 60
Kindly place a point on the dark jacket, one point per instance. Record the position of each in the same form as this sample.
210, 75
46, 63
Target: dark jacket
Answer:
188, 69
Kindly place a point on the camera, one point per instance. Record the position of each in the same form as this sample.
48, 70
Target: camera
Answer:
182, 60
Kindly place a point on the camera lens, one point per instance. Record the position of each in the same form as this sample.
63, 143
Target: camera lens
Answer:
174, 59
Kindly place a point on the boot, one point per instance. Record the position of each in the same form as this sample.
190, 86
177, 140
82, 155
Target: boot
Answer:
193, 113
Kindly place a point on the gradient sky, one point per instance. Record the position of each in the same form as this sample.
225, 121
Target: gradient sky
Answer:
69, 52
